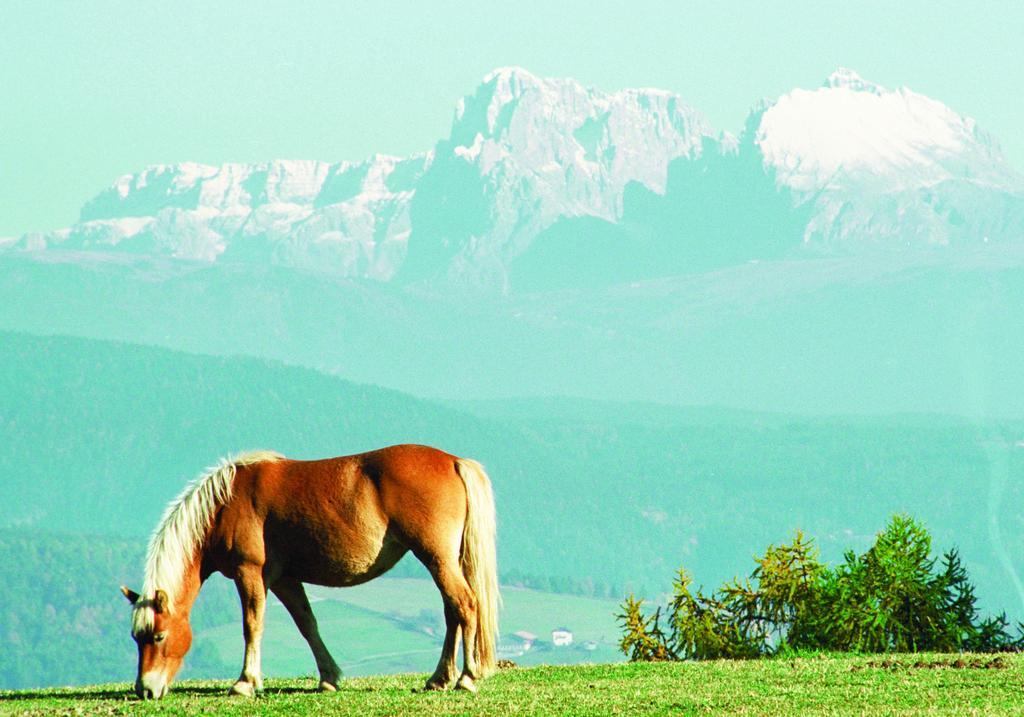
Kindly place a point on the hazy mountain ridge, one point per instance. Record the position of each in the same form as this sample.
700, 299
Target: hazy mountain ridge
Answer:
848, 166
816, 336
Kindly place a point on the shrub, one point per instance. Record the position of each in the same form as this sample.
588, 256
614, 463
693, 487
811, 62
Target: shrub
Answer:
894, 597
643, 639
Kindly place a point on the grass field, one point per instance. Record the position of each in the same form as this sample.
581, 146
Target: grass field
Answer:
901, 684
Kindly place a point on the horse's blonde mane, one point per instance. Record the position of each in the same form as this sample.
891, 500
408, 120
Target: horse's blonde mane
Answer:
182, 529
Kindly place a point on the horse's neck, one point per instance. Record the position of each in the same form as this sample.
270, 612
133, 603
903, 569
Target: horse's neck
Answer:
191, 580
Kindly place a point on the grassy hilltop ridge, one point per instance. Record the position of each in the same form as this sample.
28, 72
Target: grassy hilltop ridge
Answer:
820, 685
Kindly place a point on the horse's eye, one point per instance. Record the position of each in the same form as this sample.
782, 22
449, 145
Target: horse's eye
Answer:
160, 637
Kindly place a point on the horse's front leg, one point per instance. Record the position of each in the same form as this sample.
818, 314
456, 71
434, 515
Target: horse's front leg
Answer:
293, 596
253, 594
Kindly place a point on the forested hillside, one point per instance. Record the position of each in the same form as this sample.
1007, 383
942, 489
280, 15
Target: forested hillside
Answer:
62, 618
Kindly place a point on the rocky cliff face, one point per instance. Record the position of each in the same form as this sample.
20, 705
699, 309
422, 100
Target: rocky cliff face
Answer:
347, 218
524, 152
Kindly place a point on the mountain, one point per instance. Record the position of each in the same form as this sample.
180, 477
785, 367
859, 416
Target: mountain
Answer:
848, 169
522, 152
349, 218
888, 167
853, 132
544, 180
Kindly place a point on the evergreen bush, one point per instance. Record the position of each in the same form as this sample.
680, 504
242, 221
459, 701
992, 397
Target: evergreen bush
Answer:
895, 597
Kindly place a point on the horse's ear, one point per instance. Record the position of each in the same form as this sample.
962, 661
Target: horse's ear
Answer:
160, 601
130, 594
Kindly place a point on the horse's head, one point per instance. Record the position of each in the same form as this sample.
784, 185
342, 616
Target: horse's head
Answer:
163, 637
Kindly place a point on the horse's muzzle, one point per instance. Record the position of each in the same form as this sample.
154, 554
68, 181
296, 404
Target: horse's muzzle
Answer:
151, 687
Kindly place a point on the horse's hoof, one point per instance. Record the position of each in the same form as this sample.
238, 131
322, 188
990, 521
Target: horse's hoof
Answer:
328, 686
466, 683
435, 686
242, 689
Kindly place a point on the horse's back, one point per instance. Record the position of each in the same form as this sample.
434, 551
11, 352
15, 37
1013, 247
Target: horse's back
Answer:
421, 491
347, 519
402, 471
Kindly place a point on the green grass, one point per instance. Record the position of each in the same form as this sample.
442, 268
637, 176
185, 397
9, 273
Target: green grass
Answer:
908, 684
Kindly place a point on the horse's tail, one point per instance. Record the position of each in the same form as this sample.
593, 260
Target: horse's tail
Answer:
479, 562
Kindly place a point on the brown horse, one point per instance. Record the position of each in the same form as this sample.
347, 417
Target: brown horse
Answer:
270, 523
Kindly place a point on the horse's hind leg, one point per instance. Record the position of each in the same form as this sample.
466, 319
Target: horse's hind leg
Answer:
460, 602
446, 672
293, 595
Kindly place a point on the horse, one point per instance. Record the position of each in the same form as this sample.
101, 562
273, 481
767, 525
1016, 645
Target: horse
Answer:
271, 523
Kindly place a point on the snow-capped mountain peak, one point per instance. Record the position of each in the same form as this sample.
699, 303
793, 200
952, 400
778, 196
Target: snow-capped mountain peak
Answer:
886, 166
852, 130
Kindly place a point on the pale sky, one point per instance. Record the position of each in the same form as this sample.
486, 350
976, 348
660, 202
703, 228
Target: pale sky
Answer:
93, 90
